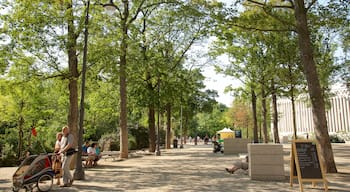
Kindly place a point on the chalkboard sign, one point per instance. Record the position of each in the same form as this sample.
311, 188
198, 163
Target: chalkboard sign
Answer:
305, 163
308, 160
238, 134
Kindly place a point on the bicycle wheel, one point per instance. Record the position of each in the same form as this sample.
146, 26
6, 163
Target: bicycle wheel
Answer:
45, 183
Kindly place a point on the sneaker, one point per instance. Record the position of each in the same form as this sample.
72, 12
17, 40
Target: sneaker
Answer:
65, 185
230, 171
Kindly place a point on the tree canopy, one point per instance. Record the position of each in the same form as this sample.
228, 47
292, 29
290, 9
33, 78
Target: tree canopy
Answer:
141, 73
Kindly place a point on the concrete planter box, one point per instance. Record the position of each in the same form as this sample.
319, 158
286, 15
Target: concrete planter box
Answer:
236, 146
266, 162
284, 139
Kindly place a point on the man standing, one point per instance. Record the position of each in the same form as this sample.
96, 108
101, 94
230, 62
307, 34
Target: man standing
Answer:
66, 144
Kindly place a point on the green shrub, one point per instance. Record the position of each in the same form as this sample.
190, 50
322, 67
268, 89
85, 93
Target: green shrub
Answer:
109, 141
345, 136
336, 139
8, 156
140, 135
132, 143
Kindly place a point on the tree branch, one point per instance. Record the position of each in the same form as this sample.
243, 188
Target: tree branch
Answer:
311, 4
282, 21
155, 5
258, 29
194, 38
43, 76
291, 3
137, 12
273, 6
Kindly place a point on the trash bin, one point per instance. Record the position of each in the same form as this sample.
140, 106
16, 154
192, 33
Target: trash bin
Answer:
175, 143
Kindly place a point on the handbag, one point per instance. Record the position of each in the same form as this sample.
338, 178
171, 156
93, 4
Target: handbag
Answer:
70, 151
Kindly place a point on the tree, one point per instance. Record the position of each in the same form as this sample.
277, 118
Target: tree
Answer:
36, 31
165, 42
126, 15
299, 25
240, 116
248, 64
314, 87
26, 102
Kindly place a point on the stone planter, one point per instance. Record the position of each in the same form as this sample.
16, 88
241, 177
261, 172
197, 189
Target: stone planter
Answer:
236, 146
266, 162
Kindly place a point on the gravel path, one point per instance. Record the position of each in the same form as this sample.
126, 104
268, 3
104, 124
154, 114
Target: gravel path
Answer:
193, 168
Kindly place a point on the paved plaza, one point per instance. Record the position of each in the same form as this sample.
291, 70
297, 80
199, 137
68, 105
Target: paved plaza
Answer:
193, 168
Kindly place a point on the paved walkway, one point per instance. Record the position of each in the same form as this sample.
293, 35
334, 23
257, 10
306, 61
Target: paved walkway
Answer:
194, 168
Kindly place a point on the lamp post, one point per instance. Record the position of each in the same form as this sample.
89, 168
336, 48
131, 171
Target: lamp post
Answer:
79, 173
110, 7
181, 134
158, 121
124, 23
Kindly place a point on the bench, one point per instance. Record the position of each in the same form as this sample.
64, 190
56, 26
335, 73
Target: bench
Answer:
86, 158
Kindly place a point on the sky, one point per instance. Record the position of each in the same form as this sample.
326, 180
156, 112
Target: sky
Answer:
218, 82
213, 80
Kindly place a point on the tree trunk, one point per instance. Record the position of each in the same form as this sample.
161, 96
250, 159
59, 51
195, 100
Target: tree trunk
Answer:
122, 83
264, 113
255, 119
292, 96
247, 126
295, 134
73, 78
20, 132
260, 133
275, 114
168, 126
185, 126
152, 129
314, 87
73, 75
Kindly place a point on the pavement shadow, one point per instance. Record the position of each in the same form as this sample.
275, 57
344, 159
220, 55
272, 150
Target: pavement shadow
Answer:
5, 181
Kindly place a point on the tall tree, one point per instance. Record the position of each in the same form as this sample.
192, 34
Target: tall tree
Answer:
127, 16
314, 87
44, 30
73, 76
247, 64
300, 25
163, 50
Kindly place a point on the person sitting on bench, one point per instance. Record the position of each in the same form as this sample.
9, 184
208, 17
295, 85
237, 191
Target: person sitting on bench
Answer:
85, 156
93, 157
85, 147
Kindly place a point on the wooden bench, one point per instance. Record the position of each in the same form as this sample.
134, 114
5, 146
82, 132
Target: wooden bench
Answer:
84, 158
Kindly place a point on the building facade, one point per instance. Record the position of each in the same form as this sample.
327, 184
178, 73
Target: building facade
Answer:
337, 114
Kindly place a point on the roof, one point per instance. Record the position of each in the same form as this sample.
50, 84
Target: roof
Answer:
226, 130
